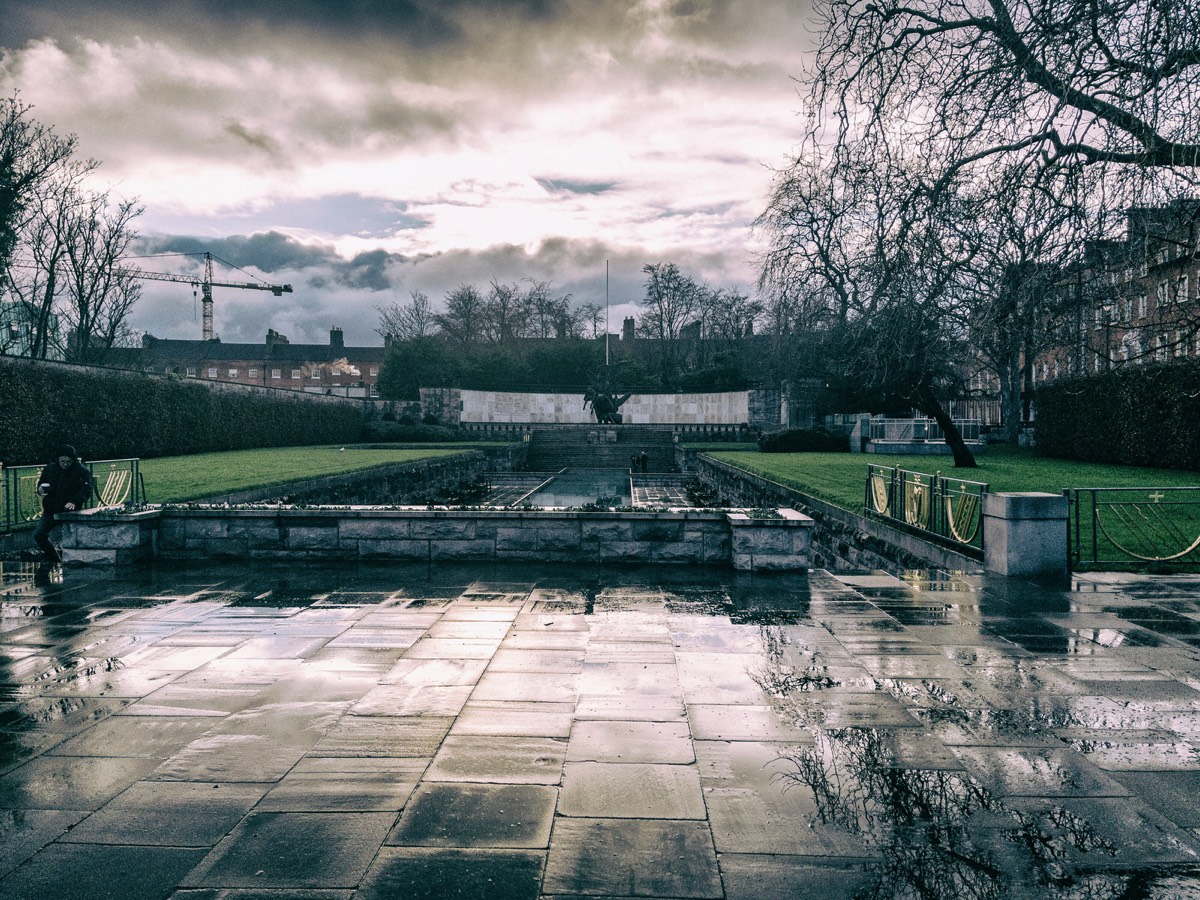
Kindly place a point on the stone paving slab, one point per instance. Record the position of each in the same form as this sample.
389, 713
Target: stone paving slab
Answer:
508, 731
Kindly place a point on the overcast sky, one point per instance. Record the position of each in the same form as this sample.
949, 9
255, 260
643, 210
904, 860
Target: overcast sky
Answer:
364, 149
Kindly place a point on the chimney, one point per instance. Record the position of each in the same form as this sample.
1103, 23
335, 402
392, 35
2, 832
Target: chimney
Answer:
273, 338
336, 341
627, 329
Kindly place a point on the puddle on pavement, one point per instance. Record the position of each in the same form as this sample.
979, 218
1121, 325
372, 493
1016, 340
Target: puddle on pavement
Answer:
977, 766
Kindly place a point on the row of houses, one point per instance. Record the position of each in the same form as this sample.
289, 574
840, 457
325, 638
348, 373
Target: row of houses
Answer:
1130, 301
332, 368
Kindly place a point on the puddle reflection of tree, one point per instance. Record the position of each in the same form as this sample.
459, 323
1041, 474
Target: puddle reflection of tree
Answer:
939, 832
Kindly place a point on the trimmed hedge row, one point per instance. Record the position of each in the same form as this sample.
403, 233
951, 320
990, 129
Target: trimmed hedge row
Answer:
116, 414
1135, 415
805, 440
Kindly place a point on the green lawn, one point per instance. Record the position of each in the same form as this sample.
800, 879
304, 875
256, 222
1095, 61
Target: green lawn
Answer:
840, 478
174, 479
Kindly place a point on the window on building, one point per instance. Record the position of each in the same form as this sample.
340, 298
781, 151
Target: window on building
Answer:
233, 373
374, 371
295, 374
252, 373
375, 389
1161, 294
276, 374
1142, 306
191, 372
316, 375
1181, 289
212, 371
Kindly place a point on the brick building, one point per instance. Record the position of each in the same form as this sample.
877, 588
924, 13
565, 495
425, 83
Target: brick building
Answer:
331, 368
1131, 301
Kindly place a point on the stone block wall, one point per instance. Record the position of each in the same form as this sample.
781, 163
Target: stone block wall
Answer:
695, 537
840, 539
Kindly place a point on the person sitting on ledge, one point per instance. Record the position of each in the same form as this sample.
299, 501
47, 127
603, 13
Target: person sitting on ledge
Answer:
64, 486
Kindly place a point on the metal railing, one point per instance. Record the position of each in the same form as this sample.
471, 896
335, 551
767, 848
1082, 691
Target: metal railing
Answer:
115, 482
1134, 527
950, 508
909, 431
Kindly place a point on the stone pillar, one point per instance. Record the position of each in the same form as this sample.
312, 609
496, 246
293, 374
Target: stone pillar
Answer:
1025, 534
781, 544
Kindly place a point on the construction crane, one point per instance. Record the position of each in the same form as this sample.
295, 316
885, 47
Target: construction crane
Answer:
206, 285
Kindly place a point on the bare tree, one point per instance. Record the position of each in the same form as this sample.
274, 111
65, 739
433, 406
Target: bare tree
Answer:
30, 153
548, 314
1050, 86
506, 314
405, 322
99, 292
72, 245
883, 262
671, 302
592, 320
463, 320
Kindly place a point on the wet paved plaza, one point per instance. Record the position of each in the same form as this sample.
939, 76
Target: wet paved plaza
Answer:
523, 732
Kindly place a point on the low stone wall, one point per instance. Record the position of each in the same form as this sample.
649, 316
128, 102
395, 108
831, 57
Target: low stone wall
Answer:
704, 537
841, 539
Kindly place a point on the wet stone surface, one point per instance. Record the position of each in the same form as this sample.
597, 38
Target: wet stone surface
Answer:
529, 731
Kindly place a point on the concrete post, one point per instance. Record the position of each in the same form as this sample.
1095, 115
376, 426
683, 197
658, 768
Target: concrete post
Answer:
1025, 534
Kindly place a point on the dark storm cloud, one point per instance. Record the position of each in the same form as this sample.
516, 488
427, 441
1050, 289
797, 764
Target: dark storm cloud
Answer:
273, 252
414, 23
269, 252
567, 186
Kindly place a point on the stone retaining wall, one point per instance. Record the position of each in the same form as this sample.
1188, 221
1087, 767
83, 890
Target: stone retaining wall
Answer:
704, 537
841, 539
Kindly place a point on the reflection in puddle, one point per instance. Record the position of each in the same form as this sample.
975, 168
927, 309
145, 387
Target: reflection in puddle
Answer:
938, 831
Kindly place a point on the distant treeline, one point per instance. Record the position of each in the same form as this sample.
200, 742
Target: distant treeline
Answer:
117, 415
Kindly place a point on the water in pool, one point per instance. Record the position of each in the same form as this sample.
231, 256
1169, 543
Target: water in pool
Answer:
578, 487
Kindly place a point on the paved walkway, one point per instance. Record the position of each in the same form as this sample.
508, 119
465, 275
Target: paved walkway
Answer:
516, 732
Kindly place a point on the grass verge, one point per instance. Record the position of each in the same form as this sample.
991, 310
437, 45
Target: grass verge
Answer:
176, 479
840, 478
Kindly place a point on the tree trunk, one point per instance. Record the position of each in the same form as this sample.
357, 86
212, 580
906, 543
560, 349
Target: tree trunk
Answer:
963, 457
1012, 400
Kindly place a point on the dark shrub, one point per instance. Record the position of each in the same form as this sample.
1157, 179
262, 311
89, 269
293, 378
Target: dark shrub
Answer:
399, 433
804, 440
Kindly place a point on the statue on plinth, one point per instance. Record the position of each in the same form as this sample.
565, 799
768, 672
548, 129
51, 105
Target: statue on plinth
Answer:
606, 404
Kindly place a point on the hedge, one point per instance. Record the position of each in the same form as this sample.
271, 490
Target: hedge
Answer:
110, 415
1135, 415
805, 440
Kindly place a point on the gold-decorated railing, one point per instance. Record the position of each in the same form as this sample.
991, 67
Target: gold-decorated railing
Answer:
950, 508
1134, 527
115, 482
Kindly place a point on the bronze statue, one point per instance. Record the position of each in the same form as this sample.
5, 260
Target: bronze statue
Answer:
603, 396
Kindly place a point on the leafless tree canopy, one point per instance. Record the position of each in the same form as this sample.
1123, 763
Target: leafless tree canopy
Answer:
62, 245
1050, 82
30, 153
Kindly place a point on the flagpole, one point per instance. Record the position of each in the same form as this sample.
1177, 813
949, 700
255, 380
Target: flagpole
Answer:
607, 329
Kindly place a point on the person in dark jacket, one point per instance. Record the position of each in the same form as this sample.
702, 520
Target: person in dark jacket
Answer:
64, 486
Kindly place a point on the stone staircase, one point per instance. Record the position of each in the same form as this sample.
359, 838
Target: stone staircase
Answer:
600, 447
